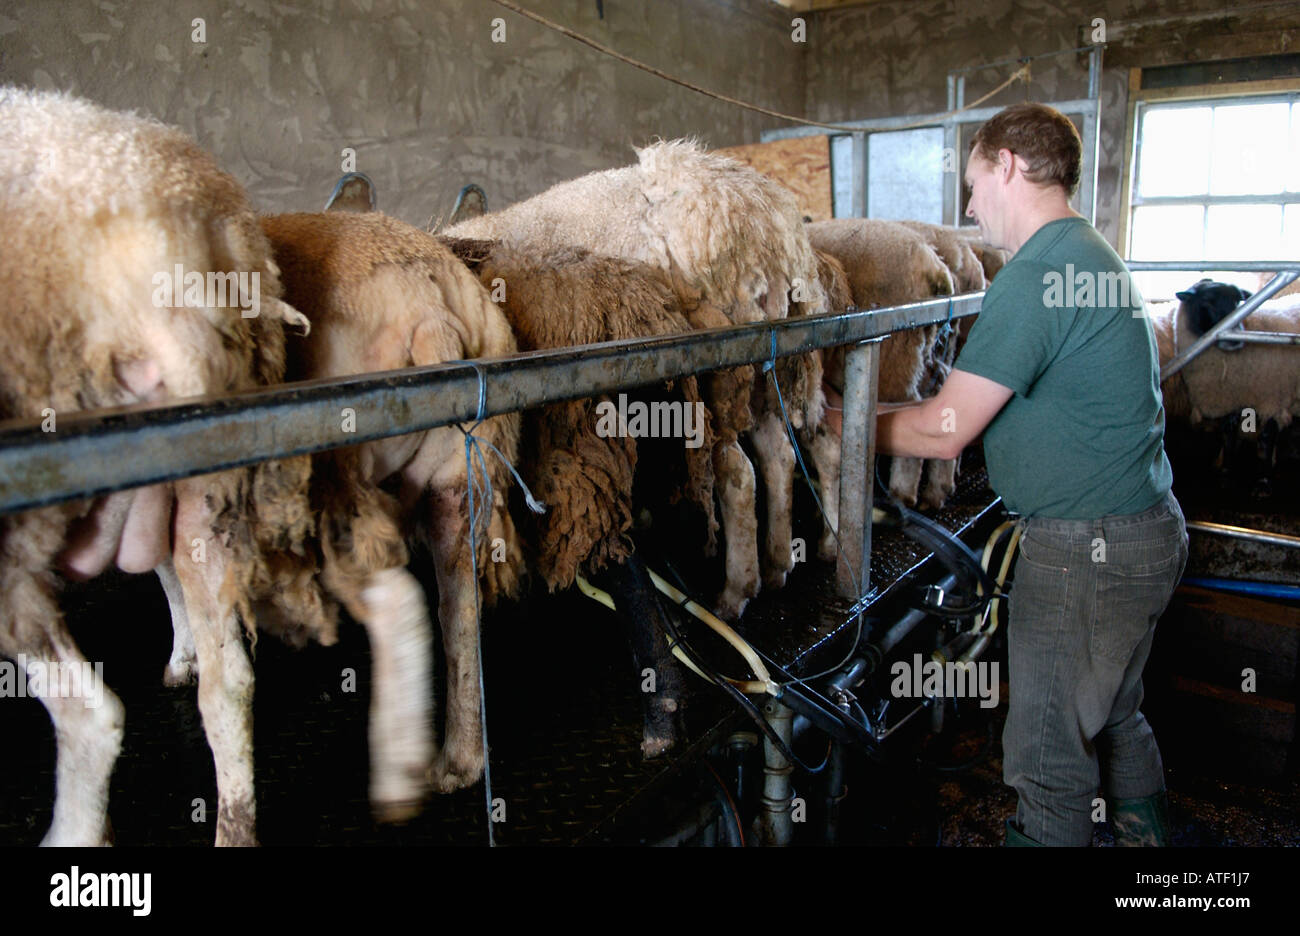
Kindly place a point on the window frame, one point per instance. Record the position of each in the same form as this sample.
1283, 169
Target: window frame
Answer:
1138, 98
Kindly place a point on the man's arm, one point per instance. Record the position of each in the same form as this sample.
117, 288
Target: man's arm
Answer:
943, 425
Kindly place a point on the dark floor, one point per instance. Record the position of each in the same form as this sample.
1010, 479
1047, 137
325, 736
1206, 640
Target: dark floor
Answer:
564, 722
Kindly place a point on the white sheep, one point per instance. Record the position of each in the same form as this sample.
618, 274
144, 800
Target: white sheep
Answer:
99, 209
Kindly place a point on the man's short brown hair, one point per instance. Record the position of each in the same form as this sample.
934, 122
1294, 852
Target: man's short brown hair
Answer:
1042, 136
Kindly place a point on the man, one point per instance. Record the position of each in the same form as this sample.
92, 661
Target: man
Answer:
1061, 375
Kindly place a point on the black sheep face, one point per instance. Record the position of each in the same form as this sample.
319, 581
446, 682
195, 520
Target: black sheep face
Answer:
1208, 303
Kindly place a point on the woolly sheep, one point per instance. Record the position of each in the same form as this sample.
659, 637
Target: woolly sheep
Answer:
733, 243
569, 296
95, 206
887, 264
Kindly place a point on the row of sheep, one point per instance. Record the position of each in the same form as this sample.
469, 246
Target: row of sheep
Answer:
96, 203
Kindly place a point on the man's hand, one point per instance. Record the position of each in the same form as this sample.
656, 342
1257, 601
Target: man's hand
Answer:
943, 425
834, 418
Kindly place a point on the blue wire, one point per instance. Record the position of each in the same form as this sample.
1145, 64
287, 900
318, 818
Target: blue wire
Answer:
769, 368
473, 449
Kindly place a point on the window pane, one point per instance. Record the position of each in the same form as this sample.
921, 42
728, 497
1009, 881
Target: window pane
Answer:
1166, 232
842, 175
1250, 149
905, 176
1175, 156
1291, 234
1293, 158
1244, 232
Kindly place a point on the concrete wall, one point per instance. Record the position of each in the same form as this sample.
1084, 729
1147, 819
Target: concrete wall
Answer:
417, 87
429, 102
892, 58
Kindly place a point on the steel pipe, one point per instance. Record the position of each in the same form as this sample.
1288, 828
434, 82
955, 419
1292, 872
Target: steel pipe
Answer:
857, 470
1245, 533
776, 824
1277, 283
1197, 266
96, 452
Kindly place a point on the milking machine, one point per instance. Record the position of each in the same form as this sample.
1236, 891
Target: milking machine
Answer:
839, 707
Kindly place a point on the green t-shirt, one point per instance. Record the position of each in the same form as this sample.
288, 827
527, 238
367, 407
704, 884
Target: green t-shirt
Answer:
1083, 437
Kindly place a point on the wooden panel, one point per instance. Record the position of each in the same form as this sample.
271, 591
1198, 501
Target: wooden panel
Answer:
801, 164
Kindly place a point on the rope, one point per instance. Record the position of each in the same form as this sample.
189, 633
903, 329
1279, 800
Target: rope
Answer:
606, 50
473, 449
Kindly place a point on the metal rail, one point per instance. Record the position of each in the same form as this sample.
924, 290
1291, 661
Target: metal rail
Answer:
1232, 266
1222, 330
1246, 533
92, 453
1088, 109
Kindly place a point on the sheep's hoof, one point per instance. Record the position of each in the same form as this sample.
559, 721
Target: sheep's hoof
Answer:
933, 500
662, 725
448, 774
399, 796
656, 747
774, 579
730, 608
906, 498
397, 812
236, 827
181, 674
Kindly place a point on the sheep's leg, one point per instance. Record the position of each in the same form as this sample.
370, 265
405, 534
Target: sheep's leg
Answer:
460, 763
183, 667
88, 721
225, 674
396, 619
825, 451
735, 486
658, 675
940, 482
87, 726
905, 479
775, 457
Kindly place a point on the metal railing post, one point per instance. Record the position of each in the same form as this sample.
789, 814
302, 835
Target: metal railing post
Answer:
857, 468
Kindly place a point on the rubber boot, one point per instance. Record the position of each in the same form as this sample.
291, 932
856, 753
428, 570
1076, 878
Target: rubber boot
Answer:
1141, 822
1017, 838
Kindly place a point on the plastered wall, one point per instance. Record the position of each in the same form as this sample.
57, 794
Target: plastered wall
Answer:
892, 58
418, 88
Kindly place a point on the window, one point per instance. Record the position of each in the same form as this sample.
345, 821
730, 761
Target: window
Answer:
1215, 179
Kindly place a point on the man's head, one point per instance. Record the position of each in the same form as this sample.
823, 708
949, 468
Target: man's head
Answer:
1026, 155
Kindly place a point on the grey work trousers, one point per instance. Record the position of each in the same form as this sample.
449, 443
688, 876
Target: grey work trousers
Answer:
1083, 611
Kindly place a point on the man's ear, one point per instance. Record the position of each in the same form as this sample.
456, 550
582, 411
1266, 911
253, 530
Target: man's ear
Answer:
1006, 159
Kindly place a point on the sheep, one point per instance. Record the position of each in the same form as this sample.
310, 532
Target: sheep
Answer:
887, 264
586, 475
384, 295
734, 247
964, 258
98, 206
1222, 382
957, 252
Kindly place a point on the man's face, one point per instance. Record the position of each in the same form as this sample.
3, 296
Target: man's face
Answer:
982, 178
